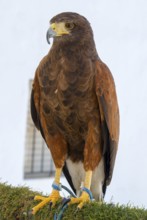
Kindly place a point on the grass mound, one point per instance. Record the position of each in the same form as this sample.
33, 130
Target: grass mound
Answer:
17, 202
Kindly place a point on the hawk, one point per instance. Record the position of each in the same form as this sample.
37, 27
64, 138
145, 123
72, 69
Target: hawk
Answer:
74, 105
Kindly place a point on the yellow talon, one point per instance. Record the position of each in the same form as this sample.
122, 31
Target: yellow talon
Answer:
54, 197
84, 198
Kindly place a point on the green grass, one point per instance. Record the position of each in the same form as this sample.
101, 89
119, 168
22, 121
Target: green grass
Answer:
16, 204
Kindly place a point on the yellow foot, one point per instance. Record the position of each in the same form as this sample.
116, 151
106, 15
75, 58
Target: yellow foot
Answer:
84, 198
53, 198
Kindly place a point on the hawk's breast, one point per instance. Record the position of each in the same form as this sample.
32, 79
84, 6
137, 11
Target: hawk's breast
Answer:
68, 98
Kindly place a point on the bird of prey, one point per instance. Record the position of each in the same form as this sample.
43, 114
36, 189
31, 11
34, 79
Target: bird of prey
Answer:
74, 105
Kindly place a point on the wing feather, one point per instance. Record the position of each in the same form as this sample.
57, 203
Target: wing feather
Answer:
35, 102
109, 111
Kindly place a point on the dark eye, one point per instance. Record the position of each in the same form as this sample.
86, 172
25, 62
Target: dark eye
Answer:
69, 25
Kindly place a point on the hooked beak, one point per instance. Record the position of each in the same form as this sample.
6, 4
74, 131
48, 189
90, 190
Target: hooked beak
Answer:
50, 34
56, 30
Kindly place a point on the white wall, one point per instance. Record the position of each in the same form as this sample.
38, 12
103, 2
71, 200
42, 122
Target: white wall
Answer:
120, 29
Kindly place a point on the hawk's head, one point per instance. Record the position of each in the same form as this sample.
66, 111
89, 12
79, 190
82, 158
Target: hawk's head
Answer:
69, 26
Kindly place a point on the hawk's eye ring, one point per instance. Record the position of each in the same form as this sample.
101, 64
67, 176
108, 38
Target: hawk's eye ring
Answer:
69, 25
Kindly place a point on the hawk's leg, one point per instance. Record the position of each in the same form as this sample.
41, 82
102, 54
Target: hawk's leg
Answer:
58, 150
92, 157
86, 195
54, 196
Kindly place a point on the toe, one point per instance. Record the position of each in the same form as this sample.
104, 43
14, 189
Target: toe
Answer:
39, 198
40, 205
84, 198
80, 205
53, 198
75, 200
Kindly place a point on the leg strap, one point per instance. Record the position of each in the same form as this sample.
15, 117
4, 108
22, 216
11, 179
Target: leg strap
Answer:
57, 186
88, 192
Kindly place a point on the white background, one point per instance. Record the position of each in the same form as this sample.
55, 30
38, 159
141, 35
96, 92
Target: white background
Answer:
120, 30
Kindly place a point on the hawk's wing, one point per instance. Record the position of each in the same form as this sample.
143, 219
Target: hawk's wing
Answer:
109, 111
35, 103
36, 96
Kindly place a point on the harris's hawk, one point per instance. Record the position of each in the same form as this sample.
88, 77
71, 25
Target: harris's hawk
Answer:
74, 105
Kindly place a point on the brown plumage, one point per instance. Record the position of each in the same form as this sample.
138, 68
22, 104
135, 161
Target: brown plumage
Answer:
73, 102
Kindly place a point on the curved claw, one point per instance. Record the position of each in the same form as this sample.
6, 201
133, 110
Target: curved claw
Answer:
50, 206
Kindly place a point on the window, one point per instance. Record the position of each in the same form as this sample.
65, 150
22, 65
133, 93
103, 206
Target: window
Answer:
38, 161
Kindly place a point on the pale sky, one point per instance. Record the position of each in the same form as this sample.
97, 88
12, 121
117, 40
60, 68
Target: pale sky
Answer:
120, 31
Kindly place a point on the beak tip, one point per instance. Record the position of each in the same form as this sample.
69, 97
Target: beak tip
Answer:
48, 41
50, 33
47, 37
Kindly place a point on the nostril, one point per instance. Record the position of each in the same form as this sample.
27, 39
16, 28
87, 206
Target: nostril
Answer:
53, 26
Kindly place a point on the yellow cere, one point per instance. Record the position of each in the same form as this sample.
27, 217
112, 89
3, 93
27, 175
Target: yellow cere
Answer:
59, 28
